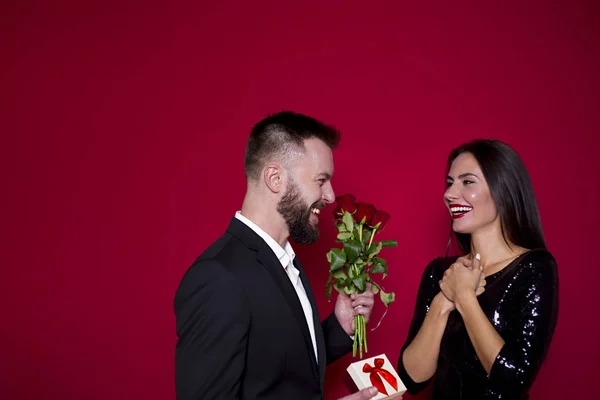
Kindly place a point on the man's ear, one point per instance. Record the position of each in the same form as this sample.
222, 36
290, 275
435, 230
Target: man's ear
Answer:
274, 176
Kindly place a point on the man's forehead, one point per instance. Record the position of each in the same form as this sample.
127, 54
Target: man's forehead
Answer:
317, 163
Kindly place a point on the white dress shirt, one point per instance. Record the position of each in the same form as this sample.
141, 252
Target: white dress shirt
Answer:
286, 257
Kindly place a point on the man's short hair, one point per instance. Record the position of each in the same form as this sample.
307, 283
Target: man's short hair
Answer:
281, 136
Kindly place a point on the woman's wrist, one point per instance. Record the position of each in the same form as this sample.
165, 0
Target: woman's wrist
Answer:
464, 300
441, 306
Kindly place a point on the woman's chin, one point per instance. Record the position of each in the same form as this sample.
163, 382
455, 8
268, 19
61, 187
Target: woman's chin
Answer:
458, 228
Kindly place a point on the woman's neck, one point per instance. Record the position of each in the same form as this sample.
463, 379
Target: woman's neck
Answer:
495, 252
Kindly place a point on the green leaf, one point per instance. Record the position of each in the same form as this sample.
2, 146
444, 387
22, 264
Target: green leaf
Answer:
360, 283
348, 221
339, 285
352, 273
374, 249
328, 286
329, 257
349, 290
344, 235
387, 298
389, 243
366, 235
352, 248
338, 259
341, 228
340, 274
379, 266
375, 289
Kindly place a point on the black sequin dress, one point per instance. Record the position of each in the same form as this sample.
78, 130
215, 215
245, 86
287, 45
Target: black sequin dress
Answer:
521, 301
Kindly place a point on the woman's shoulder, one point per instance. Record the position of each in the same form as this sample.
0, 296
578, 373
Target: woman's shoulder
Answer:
536, 265
537, 258
438, 265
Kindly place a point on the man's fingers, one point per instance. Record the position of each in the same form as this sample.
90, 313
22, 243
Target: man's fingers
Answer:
364, 394
363, 302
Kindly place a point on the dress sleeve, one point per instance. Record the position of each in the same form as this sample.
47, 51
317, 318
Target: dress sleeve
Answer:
531, 323
428, 289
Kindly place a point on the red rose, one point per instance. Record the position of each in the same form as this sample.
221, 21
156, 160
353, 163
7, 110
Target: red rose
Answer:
364, 210
379, 217
346, 202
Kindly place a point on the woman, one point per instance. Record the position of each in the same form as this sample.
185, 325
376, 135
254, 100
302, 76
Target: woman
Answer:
484, 342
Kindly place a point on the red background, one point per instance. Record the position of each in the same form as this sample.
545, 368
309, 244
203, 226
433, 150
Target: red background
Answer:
123, 131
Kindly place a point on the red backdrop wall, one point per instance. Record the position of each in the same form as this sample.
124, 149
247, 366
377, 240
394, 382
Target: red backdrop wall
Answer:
123, 131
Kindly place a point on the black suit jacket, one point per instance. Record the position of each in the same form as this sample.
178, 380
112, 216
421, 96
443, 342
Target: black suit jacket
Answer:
241, 330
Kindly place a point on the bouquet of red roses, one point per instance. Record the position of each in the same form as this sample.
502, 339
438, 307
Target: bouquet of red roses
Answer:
351, 267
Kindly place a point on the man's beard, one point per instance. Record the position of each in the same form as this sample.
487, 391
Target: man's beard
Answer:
297, 216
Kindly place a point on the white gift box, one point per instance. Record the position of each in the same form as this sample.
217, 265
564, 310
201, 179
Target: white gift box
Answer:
377, 371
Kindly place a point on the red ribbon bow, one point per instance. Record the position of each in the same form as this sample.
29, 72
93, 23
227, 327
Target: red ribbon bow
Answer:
376, 379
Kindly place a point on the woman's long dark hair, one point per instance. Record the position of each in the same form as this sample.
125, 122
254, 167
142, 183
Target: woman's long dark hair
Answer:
511, 190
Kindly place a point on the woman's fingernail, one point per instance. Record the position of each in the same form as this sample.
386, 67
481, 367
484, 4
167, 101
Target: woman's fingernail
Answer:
477, 256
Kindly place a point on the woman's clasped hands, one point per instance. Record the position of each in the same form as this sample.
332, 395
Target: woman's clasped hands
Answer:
462, 279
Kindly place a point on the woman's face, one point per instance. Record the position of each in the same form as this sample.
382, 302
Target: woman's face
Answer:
468, 196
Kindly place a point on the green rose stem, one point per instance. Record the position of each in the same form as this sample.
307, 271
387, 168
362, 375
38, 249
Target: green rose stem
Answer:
360, 324
371, 238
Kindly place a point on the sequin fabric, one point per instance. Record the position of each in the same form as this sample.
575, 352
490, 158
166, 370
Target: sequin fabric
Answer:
521, 302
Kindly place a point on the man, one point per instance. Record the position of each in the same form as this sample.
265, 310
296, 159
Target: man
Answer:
247, 321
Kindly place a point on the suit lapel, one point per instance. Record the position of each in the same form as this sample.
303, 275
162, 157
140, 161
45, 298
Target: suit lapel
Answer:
316, 321
269, 260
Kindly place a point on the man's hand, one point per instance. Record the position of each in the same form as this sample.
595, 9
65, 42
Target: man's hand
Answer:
364, 394
346, 307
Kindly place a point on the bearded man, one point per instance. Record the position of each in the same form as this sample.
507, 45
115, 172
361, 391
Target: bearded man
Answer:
246, 318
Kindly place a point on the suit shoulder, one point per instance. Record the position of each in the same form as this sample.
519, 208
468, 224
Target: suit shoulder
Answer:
215, 267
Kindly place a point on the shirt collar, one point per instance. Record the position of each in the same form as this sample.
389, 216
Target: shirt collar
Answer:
285, 254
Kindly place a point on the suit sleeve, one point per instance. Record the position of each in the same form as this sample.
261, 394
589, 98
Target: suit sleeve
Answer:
212, 322
337, 341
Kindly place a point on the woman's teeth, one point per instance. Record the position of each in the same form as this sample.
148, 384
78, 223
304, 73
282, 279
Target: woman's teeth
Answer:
460, 209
